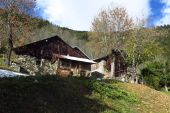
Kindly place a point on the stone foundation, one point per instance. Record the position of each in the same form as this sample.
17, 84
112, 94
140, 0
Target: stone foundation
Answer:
30, 65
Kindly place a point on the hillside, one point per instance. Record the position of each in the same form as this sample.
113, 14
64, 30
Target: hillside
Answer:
46, 30
152, 100
51, 94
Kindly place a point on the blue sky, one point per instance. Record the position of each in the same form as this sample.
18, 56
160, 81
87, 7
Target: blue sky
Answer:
78, 14
156, 9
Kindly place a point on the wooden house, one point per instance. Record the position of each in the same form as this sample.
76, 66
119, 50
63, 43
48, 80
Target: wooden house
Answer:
67, 60
112, 66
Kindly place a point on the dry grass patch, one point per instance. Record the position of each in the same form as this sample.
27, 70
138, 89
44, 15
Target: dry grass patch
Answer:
152, 101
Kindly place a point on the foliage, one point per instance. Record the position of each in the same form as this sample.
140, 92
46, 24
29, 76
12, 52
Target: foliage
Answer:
1, 60
109, 28
42, 23
156, 74
114, 29
14, 20
164, 40
108, 90
141, 46
151, 79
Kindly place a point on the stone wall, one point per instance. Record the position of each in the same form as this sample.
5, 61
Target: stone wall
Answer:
30, 65
100, 69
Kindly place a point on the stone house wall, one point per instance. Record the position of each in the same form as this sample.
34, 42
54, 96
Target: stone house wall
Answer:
32, 66
100, 67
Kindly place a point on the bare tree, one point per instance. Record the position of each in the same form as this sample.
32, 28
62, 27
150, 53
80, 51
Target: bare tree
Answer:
14, 20
109, 28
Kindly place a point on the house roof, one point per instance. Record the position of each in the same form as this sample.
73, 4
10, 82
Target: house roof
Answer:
50, 38
41, 41
78, 59
101, 58
74, 58
80, 50
24, 51
115, 52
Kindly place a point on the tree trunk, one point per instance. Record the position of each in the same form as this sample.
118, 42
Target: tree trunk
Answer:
142, 82
134, 74
10, 47
166, 88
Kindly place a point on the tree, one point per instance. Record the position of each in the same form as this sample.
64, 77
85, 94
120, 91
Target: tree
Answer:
109, 28
152, 74
157, 74
164, 39
15, 16
166, 75
114, 29
141, 46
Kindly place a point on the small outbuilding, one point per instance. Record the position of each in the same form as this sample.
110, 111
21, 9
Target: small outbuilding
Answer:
113, 66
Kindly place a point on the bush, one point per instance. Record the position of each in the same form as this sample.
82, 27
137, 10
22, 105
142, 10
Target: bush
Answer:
109, 90
154, 75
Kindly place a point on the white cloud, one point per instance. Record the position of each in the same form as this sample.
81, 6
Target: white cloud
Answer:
78, 14
166, 14
135, 8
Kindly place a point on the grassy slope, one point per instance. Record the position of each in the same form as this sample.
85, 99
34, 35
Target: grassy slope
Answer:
151, 100
51, 94
168, 93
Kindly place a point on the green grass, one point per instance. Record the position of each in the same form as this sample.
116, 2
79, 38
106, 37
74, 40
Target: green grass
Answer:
1, 61
4, 66
168, 93
52, 94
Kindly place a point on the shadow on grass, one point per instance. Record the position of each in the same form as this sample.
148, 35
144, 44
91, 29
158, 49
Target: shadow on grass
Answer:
47, 94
